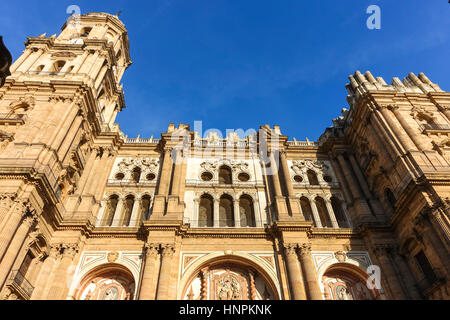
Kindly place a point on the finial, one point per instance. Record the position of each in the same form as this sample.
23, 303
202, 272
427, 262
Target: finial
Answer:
119, 13
43, 35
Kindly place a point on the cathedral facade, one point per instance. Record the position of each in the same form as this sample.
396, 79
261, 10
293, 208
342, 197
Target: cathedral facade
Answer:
87, 213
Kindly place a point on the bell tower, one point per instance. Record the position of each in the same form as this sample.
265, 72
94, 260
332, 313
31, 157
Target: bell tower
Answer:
93, 49
59, 106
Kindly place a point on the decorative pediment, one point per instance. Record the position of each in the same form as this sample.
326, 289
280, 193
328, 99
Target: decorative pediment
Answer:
146, 164
236, 166
420, 113
302, 166
26, 103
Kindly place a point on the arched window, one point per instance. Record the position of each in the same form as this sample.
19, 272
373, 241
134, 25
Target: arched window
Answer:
40, 68
323, 212
347, 282
101, 95
70, 69
136, 175
390, 197
247, 211
226, 211
205, 212
145, 207
225, 175
58, 65
110, 210
306, 209
85, 32
127, 211
312, 178
339, 213
107, 282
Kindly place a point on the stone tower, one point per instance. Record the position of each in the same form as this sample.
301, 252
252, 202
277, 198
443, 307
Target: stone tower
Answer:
58, 108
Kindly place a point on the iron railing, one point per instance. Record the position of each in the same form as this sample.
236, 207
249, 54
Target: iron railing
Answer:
437, 126
303, 143
19, 280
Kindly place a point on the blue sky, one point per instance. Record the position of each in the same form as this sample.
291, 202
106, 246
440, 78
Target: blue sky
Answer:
244, 63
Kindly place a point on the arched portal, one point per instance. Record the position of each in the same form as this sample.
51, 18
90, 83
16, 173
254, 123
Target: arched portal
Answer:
229, 278
343, 281
107, 282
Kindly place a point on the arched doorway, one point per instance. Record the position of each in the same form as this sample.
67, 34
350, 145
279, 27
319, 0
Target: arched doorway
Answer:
347, 282
230, 278
107, 282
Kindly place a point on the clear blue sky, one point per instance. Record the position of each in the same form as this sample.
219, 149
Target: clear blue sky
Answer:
244, 63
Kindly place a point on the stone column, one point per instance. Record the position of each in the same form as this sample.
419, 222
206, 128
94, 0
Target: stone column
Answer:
80, 61
440, 224
353, 184
251, 276
388, 272
134, 220
330, 210
195, 221
430, 236
286, 175
178, 163
316, 216
118, 213
14, 247
183, 179
166, 172
237, 213
359, 175
87, 171
13, 221
293, 201
147, 291
98, 179
60, 286
29, 62
71, 135
160, 198
101, 213
6, 203
204, 290
294, 272
309, 271
216, 215
407, 276
394, 126
167, 252
44, 274
25, 54
413, 134
274, 168
345, 210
